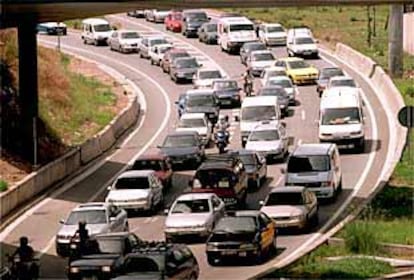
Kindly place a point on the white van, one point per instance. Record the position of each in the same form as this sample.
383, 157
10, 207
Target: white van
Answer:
255, 110
341, 120
233, 32
96, 31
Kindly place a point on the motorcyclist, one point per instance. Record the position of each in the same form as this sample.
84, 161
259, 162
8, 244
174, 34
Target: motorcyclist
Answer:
248, 79
223, 125
80, 240
26, 264
25, 251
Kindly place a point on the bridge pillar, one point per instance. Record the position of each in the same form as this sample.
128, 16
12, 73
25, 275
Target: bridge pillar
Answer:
28, 87
395, 41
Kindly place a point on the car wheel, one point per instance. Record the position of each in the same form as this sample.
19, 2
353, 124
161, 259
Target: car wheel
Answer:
126, 227
140, 55
85, 42
152, 61
95, 42
259, 257
315, 219
193, 276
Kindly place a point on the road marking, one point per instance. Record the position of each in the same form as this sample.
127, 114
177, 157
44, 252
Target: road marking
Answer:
303, 115
299, 141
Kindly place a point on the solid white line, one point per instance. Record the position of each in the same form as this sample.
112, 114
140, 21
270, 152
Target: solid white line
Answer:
303, 115
299, 141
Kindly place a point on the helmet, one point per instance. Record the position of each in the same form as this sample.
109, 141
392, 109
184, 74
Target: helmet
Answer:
24, 241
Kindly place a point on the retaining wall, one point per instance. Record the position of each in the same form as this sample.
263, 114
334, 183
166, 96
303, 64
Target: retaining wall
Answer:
408, 34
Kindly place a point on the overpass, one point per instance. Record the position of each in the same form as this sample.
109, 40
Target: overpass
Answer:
25, 14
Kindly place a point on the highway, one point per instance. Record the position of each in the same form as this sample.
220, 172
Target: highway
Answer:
40, 223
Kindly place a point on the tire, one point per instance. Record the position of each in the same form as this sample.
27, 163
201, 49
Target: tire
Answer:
152, 62
126, 227
95, 42
193, 276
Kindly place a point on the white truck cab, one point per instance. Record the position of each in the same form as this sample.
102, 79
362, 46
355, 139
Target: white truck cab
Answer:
96, 31
233, 32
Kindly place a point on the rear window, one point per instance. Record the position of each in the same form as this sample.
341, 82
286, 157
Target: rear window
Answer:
241, 27
310, 163
141, 264
191, 206
147, 164
132, 183
215, 178
338, 116
293, 198
236, 224
130, 35
258, 113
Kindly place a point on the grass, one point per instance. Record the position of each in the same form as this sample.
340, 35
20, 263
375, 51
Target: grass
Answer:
361, 238
3, 186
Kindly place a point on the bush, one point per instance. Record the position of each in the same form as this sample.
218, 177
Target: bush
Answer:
360, 238
3, 186
410, 91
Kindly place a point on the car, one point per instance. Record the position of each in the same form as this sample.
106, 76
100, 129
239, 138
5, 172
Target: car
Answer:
227, 92
298, 70
233, 32
96, 31
110, 249
224, 175
255, 165
159, 260
192, 20
280, 93
148, 42
157, 52
248, 47
183, 148
173, 21
303, 45
124, 41
341, 81
204, 77
170, 56
291, 207
157, 16
242, 234
324, 75
200, 101
136, 190
136, 13
193, 214
317, 167
257, 61
52, 28
272, 34
286, 83
183, 69
299, 31
272, 71
196, 122
207, 33
270, 139
159, 163
100, 217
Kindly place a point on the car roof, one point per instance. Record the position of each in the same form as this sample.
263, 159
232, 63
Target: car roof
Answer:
193, 196
91, 205
200, 92
279, 78
341, 78
243, 152
287, 189
184, 58
271, 24
193, 116
244, 213
259, 100
222, 80
267, 126
136, 173
126, 30
95, 21
260, 52
274, 68
236, 20
287, 59
205, 69
340, 100
253, 43
312, 149
177, 50
153, 156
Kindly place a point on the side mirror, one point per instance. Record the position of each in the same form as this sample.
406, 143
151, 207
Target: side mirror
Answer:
283, 124
109, 188
216, 209
62, 221
209, 18
261, 202
239, 89
317, 41
176, 102
166, 211
112, 219
236, 118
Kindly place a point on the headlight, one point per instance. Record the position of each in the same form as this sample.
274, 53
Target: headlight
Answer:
326, 184
210, 247
248, 246
106, 268
299, 217
356, 132
326, 134
73, 246
74, 269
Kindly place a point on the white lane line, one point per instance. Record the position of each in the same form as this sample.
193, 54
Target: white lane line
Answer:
147, 220
303, 115
299, 141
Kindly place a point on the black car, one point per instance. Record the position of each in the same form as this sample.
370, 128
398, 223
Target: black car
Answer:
249, 235
159, 260
281, 94
102, 264
183, 69
136, 13
52, 28
324, 75
228, 92
207, 33
192, 20
248, 47
255, 165
200, 101
183, 148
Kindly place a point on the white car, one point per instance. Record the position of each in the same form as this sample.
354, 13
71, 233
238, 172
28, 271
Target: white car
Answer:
193, 214
270, 139
302, 46
148, 42
286, 83
99, 217
205, 77
291, 207
273, 71
157, 16
136, 190
341, 81
156, 53
257, 61
197, 122
124, 41
272, 34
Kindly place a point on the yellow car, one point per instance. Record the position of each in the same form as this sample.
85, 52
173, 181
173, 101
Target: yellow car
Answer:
298, 70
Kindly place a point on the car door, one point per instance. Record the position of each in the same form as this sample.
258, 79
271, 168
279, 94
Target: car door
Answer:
284, 137
157, 189
261, 165
218, 208
311, 203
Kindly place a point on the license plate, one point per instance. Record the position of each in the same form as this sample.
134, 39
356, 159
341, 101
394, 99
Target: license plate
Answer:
228, 253
226, 102
282, 225
242, 254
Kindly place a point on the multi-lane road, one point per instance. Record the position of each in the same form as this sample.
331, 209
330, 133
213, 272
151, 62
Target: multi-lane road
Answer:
157, 94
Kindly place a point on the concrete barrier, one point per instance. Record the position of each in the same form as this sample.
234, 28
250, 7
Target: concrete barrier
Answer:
357, 60
90, 150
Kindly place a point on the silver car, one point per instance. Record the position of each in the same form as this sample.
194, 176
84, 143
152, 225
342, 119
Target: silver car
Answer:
193, 214
99, 217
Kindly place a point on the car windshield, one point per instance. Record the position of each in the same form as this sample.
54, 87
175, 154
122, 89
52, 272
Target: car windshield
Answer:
176, 16
102, 27
189, 123
160, 41
180, 141
248, 159
186, 63
201, 100
264, 135
223, 85
197, 16
210, 75
89, 216
110, 245
164, 49
191, 206
274, 91
140, 183
271, 29
129, 35
141, 264
236, 224
330, 72
176, 55
343, 83
284, 198
298, 64
211, 28
275, 73
310, 163
255, 47
147, 164
340, 116
241, 27
258, 113
263, 57
285, 83
216, 178
303, 41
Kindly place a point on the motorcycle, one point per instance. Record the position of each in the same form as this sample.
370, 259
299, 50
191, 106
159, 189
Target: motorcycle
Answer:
23, 270
222, 140
5, 274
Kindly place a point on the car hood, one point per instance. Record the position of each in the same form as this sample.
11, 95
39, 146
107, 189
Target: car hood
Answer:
249, 126
96, 260
200, 130
340, 129
283, 210
69, 230
304, 71
226, 92
130, 194
263, 145
140, 276
308, 177
263, 64
187, 220
201, 109
174, 151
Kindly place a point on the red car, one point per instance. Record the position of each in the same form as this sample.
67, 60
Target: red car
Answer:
159, 163
173, 21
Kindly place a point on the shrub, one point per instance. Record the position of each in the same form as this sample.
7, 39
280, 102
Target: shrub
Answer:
3, 186
361, 238
410, 91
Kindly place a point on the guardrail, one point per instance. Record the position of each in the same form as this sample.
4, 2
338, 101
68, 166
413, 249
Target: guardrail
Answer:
61, 168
